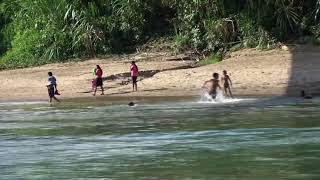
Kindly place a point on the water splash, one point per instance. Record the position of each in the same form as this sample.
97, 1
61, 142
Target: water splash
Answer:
220, 98
14, 103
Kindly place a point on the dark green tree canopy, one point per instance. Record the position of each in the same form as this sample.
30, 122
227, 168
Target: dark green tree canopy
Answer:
34, 32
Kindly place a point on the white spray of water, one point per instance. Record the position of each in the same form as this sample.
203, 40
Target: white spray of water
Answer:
220, 98
23, 103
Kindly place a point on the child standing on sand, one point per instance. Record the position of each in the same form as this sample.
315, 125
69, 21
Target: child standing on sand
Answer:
134, 75
227, 83
214, 85
52, 87
98, 80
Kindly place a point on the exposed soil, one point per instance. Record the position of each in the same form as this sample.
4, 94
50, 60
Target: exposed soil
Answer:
256, 73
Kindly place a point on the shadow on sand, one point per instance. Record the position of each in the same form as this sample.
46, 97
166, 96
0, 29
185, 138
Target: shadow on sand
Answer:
146, 90
304, 73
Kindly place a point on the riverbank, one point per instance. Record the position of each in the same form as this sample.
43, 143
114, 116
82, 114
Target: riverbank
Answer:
278, 72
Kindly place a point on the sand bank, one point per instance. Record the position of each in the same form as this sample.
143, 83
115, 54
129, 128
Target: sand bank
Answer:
254, 73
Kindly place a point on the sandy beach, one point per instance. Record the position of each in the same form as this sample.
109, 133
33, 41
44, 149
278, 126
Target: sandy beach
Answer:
278, 72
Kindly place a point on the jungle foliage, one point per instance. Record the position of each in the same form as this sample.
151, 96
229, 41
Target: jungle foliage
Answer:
35, 32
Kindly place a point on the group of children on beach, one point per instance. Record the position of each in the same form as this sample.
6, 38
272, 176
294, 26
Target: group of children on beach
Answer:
134, 71
96, 82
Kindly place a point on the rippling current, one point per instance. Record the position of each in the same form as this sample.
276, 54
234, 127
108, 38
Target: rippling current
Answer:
249, 139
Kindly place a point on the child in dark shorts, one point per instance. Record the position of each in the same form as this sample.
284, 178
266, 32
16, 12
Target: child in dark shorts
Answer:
134, 71
98, 80
134, 79
214, 84
52, 87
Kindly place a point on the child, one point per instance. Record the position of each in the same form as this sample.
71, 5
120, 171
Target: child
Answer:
214, 85
226, 79
99, 80
52, 87
134, 75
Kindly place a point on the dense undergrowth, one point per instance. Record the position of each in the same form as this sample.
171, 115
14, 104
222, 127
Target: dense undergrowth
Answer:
35, 32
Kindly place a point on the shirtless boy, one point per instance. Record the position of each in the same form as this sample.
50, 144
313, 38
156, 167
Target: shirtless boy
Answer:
226, 83
213, 86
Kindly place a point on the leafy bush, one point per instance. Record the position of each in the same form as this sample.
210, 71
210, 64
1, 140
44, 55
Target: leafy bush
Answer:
236, 47
24, 51
180, 43
315, 30
254, 36
212, 59
219, 33
34, 32
248, 32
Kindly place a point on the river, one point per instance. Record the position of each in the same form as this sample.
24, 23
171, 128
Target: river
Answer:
276, 138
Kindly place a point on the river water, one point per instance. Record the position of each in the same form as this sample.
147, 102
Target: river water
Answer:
241, 139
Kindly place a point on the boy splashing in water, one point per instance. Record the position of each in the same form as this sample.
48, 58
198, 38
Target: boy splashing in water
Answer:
227, 83
214, 85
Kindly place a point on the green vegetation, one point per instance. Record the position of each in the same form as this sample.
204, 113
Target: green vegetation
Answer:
212, 59
34, 32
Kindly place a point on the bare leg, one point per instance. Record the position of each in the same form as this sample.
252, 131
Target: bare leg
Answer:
94, 91
102, 90
56, 99
230, 92
225, 91
136, 86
